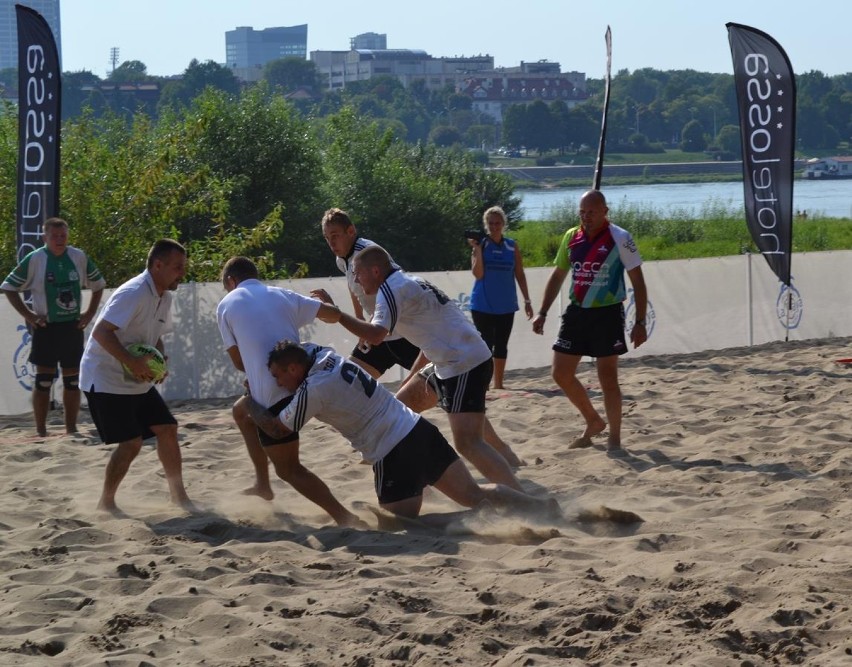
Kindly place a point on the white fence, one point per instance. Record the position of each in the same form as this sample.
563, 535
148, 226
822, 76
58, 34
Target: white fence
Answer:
695, 305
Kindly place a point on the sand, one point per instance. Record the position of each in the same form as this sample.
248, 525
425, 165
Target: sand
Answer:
737, 461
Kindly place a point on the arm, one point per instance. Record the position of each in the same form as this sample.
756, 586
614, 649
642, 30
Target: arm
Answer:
89, 315
29, 316
639, 334
477, 265
356, 306
236, 358
266, 421
551, 291
372, 333
104, 333
521, 279
419, 363
290, 469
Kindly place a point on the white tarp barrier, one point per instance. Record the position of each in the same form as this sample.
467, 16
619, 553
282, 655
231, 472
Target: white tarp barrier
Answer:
695, 305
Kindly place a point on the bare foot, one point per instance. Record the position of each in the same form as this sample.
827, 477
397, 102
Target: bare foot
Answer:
188, 506
41, 432
594, 427
513, 459
266, 493
110, 507
581, 443
613, 445
350, 520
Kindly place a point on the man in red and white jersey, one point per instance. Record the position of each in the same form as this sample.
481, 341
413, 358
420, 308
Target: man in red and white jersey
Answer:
596, 254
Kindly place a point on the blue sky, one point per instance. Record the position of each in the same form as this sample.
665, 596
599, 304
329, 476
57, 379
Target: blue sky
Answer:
662, 34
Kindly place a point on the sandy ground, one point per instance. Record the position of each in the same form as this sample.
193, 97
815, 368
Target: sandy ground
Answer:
738, 462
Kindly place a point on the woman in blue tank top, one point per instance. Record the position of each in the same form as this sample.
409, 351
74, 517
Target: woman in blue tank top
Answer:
496, 264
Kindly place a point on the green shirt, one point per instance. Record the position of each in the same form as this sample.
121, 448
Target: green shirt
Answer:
56, 283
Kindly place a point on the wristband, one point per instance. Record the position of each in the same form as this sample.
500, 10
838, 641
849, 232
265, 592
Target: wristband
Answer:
639, 323
527, 302
542, 313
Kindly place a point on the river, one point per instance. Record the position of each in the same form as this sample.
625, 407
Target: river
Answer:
822, 198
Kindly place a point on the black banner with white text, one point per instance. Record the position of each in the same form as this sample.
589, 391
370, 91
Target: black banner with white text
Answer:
38, 128
766, 96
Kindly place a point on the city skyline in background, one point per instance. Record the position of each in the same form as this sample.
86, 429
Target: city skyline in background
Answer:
167, 35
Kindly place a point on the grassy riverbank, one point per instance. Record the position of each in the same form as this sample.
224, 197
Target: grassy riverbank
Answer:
716, 230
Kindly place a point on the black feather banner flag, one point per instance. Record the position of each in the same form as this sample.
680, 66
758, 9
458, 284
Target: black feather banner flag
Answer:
766, 96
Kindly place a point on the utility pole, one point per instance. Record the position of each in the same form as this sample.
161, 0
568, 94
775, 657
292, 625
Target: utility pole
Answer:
113, 57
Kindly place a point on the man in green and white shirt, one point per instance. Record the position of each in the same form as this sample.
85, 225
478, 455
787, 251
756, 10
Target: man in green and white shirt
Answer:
55, 275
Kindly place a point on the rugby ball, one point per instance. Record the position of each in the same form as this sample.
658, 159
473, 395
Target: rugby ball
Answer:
156, 363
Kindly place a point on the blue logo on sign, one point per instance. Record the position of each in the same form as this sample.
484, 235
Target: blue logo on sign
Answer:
23, 369
789, 307
630, 315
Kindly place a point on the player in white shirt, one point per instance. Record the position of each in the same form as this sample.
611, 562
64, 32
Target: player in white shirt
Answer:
407, 452
343, 240
252, 318
126, 407
428, 318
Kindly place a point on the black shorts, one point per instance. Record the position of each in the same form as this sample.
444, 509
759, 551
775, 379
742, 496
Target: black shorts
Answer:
123, 417
592, 332
389, 353
57, 343
417, 461
465, 392
267, 440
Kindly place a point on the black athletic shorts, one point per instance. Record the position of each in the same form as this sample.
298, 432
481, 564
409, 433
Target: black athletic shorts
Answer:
388, 354
417, 461
592, 332
267, 440
123, 417
57, 343
462, 393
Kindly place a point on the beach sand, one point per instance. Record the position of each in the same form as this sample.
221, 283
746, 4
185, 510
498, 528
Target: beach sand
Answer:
737, 461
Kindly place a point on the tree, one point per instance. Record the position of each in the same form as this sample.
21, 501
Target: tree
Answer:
728, 140
79, 90
130, 71
480, 136
515, 125
444, 136
408, 197
692, 137
292, 73
265, 151
195, 79
541, 127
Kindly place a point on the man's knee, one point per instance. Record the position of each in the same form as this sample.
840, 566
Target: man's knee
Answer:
285, 459
71, 382
240, 410
43, 381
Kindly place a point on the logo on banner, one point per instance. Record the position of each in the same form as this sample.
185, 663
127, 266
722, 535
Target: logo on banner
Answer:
789, 306
630, 315
463, 302
21, 366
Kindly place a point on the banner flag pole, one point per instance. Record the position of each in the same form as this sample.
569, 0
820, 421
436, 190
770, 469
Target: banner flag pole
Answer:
596, 183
